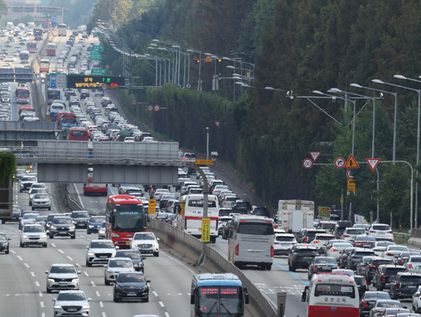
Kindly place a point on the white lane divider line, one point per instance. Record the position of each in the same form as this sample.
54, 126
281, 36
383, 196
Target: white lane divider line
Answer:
40, 294
41, 304
33, 274
70, 259
19, 257
78, 265
166, 314
93, 284
43, 315
60, 250
53, 245
161, 304
27, 265
86, 273
98, 294
36, 283
101, 304
14, 252
104, 314
180, 294
155, 293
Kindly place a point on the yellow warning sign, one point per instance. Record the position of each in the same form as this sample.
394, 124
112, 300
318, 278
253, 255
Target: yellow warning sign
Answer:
351, 162
351, 186
152, 206
205, 229
203, 162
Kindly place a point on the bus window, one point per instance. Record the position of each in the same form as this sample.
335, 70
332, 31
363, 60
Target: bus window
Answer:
62, 29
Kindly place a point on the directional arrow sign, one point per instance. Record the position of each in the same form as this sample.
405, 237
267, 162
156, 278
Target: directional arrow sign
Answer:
372, 162
339, 162
315, 155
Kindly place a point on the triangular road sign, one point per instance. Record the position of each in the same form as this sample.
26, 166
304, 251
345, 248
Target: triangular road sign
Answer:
372, 162
315, 155
351, 162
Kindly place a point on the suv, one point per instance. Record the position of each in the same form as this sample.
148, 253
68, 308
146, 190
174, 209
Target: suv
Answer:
62, 226
355, 257
33, 234
146, 243
301, 256
116, 266
381, 231
49, 219
321, 264
386, 275
94, 224
80, 218
62, 276
405, 285
309, 235
369, 264
368, 300
71, 303
340, 228
99, 251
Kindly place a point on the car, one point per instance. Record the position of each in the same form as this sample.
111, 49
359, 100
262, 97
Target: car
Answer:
135, 256
364, 241
94, 224
50, 218
301, 256
27, 218
80, 218
71, 303
361, 284
381, 231
62, 226
33, 234
381, 305
42, 220
308, 235
405, 285
99, 251
351, 233
26, 182
116, 266
336, 249
406, 314
4, 243
62, 277
102, 232
394, 250
393, 312
41, 201
369, 264
283, 243
381, 246
321, 264
35, 190
131, 286
146, 243
368, 300
386, 275
416, 300
355, 257
321, 240
413, 263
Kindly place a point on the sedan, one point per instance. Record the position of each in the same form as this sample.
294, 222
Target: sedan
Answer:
4, 243
321, 264
381, 305
135, 256
41, 201
115, 267
131, 286
71, 303
62, 277
33, 234
369, 299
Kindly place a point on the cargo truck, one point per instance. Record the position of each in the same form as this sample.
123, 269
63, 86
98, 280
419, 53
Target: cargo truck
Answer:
295, 214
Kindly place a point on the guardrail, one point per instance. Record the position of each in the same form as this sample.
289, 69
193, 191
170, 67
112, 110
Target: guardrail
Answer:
213, 261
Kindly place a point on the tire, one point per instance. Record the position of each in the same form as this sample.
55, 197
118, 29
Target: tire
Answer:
106, 282
269, 267
51, 236
30, 203
49, 291
115, 299
88, 232
49, 208
147, 299
3, 221
292, 269
44, 245
21, 245
88, 264
33, 208
213, 239
156, 254
73, 237
7, 251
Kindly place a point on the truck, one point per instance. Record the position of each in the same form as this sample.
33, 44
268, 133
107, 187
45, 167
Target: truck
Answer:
295, 214
7, 166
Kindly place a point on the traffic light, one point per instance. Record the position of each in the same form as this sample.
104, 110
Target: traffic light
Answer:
208, 59
219, 60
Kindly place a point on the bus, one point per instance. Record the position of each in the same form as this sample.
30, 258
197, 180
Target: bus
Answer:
251, 241
78, 134
125, 216
44, 65
37, 34
62, 29
66, 120
190, 215
24, 57
51, 49
53, 94
217, 295
31, 47
331, 295
23, 95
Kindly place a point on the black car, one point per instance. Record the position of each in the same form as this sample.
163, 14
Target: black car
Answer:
340, 228
405, 285
94, 224
80, 218
62, 226
321, 264
131, 286
4, 243
301, 256
369, 264
369, 299
356, 256
50, 218
386, 275
137, 259
361, 284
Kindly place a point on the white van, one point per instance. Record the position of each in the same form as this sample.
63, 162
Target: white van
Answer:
57, 107
251, 241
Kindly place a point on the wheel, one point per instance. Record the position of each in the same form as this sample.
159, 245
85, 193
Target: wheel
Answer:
33, 208
51, 236
156, 254
73, 237
107, 282
21, 245
88, 264
88, 231
49, 208
116, 299
44, 245
7, 251
3, 221
292, 269
213, 239
147, 298
48, 291
30, 203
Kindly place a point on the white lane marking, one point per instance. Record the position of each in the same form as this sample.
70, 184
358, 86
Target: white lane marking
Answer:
36, 283
27, 265
93, 284
53, 245
13, 251
43, 315
7, 295
86, 273
166, 314
20, 258
41, 304
78, 265
78, 196
180, 294
155, 293
60, 250
40, 294
98, 294
101, 304
70, 259
33, 274
104, 314
161, 303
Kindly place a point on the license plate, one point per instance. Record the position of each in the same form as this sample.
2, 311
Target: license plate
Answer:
72, 309
131, 294
103, 257
62, 284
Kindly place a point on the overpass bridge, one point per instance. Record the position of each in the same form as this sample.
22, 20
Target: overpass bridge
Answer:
18, 133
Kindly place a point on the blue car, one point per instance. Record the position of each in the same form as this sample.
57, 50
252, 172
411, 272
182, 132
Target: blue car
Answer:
95, 222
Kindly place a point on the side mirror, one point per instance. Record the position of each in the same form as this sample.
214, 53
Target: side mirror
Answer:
157, 239
246, 296
304, 294
79, 272
46, 272
148, 281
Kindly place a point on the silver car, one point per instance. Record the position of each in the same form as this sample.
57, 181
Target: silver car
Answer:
116, 266
71, 303
62, 277
99, 251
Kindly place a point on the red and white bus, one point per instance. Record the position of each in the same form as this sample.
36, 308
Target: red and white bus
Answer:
332, 295
51, 49
78, 134
125, 216
44, 65
23, 95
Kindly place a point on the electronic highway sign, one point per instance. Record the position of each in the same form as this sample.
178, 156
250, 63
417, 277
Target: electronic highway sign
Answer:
94, 81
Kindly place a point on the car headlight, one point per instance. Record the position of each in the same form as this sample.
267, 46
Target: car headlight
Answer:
51, 280
72, 227
25, 236
43, 235
91, 226
75, 280
57, 307
53, 227
90, 253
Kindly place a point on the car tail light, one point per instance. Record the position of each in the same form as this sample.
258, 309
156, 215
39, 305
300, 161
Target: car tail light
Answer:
333, 249
364, 304
389, 253
345, 235
382, 278
316, 241
371, 266
398, 285
272, 251
410, 266
237, 249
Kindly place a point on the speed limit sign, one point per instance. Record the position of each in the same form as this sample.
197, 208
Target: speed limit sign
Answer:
307, 163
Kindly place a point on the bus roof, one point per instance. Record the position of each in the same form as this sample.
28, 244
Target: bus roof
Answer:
199, 196
332, 278
250, 218
123, 199
217, 279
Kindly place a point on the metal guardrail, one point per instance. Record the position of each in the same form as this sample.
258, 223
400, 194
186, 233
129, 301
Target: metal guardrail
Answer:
213, 262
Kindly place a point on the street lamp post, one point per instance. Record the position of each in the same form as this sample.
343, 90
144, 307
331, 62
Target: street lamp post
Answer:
207, 143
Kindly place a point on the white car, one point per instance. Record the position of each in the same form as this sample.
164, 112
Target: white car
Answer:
393, 250
381, 231
71, 303
335, 249
146, 243
28, 218
283, 243
99, 251
41, 200
101, 231
416, 300
62, 277
116, 266
414, 263
32, 234
321, 240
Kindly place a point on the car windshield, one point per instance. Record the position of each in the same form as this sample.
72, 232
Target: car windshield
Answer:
62, 269
325, 260
102, 245
71, 296
62, 221
134, 255
33, 229
120, 263
130, 278
144, 236
80, 215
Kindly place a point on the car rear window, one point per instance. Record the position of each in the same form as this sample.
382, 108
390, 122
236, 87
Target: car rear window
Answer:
411, 280
381, 227
306, 252
284, 238
394, 270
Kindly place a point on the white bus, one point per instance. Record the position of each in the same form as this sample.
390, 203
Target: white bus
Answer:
191, 214
332, 295
62, 29
251, 241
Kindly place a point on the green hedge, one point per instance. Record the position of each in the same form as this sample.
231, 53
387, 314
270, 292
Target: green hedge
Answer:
7, 168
